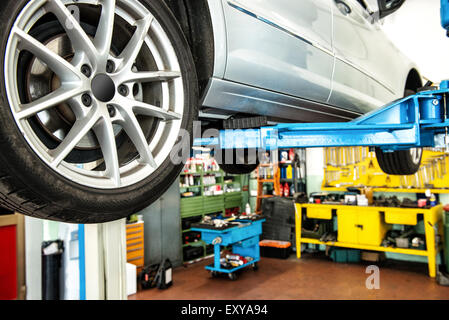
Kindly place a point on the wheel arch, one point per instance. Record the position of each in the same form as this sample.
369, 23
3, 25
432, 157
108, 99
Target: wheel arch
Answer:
414, 81
194, 18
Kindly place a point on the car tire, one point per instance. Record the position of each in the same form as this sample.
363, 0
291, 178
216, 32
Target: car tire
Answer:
29, 185
400, 162
240, 163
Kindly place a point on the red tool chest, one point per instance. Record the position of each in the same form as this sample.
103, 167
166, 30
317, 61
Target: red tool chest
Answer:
8, 263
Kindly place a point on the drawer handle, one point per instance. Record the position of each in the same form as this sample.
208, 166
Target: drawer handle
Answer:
134, 238
134, 226
359, 226
134, 250
134, 232
134, 259
132, 244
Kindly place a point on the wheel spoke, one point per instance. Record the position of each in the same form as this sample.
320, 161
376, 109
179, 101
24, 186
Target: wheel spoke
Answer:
146, 109
56, 63
54, 98
80, 40
132, 49
106, 137
103, 37
134, 131
78, 131
151, 76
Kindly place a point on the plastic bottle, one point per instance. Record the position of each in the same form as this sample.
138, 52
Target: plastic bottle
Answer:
248, 209
289, 172
286, 190
291, 154
433, 200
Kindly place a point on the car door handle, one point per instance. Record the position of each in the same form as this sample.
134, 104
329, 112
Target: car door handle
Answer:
344, 8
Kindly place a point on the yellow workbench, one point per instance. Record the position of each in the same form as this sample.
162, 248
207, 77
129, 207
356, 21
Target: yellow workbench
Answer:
364, 228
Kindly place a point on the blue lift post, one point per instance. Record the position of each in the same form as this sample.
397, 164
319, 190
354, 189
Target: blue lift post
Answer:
420, 120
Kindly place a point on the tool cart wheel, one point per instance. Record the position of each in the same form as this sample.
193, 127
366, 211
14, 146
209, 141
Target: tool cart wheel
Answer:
232, 276
255, 266
214, 274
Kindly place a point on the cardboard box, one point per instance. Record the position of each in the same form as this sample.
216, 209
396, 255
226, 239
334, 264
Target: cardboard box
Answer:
373, 256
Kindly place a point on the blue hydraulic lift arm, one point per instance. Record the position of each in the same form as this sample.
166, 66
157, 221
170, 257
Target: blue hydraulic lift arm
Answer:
416, 121
420, 120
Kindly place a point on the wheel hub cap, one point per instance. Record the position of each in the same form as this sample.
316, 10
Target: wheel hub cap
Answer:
103, 88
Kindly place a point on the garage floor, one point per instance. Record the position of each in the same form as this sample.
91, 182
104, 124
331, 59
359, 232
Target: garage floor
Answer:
312, 277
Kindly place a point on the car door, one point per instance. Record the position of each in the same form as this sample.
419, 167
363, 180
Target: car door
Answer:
283, 46
365, 59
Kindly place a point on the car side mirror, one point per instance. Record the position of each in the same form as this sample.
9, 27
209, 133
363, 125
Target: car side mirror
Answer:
387, 7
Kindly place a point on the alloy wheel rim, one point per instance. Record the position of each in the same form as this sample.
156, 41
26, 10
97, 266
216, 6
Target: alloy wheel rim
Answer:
103, 97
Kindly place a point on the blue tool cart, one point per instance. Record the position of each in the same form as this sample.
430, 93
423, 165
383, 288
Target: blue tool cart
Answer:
242, 235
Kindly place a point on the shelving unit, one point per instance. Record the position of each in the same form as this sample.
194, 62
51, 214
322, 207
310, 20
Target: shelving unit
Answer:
299, 171
204, 202
277, 179
266, 173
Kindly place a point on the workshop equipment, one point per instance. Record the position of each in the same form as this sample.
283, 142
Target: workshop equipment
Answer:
51, 267
157, 275
446, 236
275, 249
365, 228
241, 234
341, 255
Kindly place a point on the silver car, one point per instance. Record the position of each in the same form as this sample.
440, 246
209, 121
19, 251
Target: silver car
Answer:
99, 97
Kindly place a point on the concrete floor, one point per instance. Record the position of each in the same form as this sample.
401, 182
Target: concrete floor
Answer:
314, 277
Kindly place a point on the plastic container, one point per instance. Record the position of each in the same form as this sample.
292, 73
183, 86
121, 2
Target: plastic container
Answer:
192, 253
345, 255
275, 249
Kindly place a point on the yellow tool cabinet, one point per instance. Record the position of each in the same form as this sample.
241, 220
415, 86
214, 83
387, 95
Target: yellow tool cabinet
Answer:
361, 226
365, 227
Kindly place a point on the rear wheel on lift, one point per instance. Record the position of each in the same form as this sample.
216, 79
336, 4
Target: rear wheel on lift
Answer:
400, 162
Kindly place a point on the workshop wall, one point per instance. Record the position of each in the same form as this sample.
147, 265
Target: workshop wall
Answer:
415, 29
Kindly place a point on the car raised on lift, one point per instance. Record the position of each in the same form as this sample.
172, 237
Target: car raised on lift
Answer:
99, 95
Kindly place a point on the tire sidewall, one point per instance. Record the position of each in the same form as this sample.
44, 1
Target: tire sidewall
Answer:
86, 203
